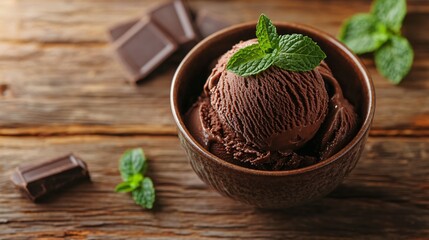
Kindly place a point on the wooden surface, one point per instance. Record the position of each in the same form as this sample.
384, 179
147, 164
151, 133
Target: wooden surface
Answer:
61, 91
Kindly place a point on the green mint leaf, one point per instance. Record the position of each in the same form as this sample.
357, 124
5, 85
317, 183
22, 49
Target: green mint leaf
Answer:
135, 180
145, 195
267, 34
124, 187
133, 161
298, 53
133, 166
394, 59
363, 33
293, 52
390, 12
250, 60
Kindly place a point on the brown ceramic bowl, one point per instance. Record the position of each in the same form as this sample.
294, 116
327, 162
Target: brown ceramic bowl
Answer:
272, 189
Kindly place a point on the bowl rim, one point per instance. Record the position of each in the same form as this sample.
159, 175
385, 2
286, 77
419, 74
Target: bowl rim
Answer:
368, 84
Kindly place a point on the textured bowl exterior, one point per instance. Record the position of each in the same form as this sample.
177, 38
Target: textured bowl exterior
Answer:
273, 189
267, 191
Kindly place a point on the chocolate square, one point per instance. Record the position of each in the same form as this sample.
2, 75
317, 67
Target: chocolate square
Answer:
143, 48
174, 18
38, 180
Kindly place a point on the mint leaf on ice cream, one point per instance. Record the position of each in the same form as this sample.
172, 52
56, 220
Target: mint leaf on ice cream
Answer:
250, 60
298, 53
267, 34
293, 52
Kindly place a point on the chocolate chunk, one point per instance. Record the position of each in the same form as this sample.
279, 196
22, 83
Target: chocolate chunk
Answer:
174, 18
120, 29
143, 45
38, 180
208, 23
143, 48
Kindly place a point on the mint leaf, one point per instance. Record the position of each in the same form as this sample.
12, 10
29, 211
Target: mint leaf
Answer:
390, 12
135, 180
380, 32
266, 34
133, 161
124, 187
293, 52
394, 59
298, 53
250, 60
133, 166
145, 195
363, 33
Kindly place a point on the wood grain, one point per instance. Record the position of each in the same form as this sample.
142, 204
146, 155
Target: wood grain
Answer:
386, 196
62, 91
58, 69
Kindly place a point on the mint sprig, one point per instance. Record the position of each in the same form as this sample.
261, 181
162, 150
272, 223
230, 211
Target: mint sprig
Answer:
133, 166
363, 33
145, 195
250, 60
266, 33
132, 161
380, 31
394, 58
390, 12
293, 52
298, 53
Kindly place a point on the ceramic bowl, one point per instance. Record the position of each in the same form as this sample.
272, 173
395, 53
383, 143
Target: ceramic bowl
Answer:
272, 189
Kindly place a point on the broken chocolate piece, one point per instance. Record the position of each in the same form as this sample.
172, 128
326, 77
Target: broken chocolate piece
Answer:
166, 31
120, 29
208, 23
174, 18
143, 48
38, 180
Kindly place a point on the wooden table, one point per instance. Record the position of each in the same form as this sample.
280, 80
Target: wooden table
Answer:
62, 91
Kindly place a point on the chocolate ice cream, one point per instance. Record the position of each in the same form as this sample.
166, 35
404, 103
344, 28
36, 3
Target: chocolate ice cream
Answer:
275, 120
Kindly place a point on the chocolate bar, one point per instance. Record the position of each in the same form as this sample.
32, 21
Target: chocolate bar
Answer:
38, 180
166, 30
144, 45
174, 18
143, 48
209, 23
120, 29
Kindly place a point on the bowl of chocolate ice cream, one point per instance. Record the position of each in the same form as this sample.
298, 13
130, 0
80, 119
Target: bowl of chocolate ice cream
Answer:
278, 138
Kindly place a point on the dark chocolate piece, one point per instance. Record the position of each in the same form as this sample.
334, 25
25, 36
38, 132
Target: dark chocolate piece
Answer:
208, 23
38, 180
120, 29
145, 44
174, 18
143, 48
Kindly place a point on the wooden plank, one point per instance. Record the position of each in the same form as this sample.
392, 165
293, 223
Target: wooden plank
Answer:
57, 73
386, 196
85, 87
83, 21
88, 88
57, 77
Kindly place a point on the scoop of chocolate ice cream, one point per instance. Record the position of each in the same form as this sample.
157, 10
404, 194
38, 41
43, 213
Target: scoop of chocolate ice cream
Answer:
276, 110
270, 120
340, 123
